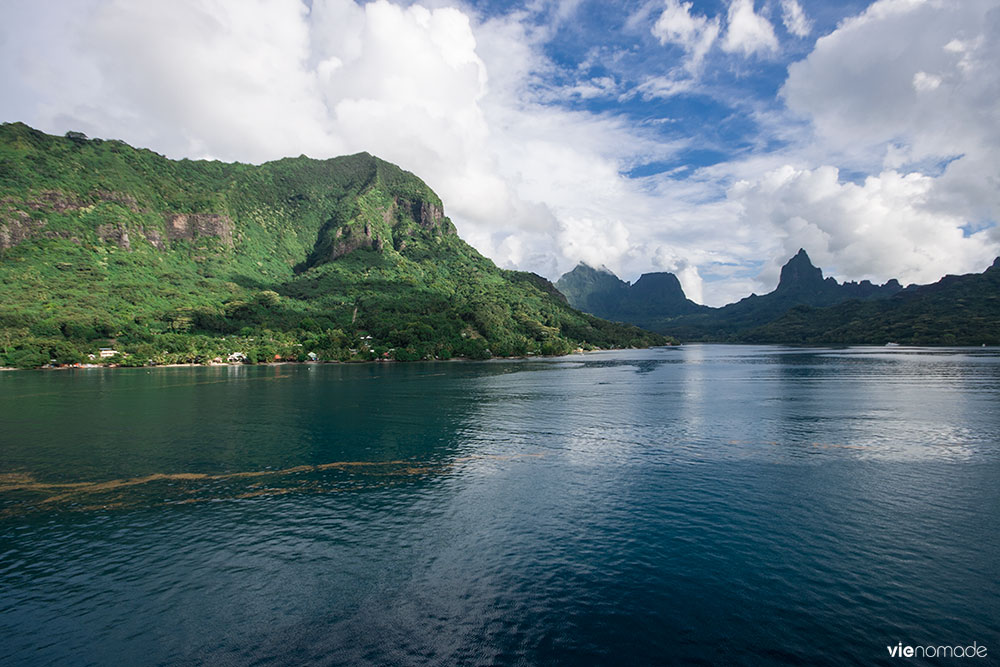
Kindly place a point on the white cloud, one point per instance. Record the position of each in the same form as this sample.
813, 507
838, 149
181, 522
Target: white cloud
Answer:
912, 85
602, 86
878, 230
794, 18
747, 31
463, 103
530, 184
666, 259
188, 77
594, 241
694, 33
924, 82
664, 87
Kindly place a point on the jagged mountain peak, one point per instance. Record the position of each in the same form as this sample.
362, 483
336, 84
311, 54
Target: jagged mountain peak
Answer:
799, 272
655, 295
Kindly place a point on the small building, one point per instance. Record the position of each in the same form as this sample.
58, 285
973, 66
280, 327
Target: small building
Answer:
236, 358
312, 356
106, 352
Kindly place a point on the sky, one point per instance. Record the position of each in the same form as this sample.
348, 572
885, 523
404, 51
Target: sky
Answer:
709, 138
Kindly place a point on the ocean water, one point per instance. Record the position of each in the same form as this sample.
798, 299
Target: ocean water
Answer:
701, 505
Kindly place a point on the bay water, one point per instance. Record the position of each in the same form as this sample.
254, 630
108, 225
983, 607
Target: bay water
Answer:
706, 504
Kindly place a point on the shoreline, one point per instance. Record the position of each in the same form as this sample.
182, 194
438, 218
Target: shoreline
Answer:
88, 367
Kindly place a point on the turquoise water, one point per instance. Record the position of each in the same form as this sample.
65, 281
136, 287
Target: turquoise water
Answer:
709, 504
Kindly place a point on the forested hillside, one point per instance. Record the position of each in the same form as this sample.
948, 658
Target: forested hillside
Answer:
805, 308
105, 245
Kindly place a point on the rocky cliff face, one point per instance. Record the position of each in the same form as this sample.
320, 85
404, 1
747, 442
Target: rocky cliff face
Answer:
427, 214
16, 227
23, 219
189, 226
390, 214
116, 234
348, 239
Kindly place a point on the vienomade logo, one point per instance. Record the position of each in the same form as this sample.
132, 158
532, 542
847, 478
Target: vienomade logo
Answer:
900, 651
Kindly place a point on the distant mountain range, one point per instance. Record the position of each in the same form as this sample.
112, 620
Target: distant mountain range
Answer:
655, 296
351, 258
804, 308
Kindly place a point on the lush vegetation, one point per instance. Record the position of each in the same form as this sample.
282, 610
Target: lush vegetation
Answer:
653, 299
957, 310
805, 308
104, 245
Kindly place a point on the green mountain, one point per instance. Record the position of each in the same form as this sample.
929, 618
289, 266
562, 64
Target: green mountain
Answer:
956, 310
592, 290
105, 245
653, 297
807, 308
800, 284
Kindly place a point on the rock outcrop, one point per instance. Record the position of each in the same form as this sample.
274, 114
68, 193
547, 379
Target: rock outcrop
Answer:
189, 226
116, 234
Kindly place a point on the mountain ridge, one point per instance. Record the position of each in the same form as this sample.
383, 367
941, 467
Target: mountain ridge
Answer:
103, 244
851, 312
599, 291
955, 310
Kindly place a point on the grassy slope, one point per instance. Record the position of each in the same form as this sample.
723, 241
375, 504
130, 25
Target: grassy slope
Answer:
262, 274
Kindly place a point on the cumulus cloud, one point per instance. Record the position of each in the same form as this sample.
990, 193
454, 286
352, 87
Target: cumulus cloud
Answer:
667, 259
913, 87
747, 32
876, 230
188, 77
866, 82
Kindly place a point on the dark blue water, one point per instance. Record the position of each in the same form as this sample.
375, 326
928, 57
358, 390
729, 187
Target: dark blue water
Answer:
704, 505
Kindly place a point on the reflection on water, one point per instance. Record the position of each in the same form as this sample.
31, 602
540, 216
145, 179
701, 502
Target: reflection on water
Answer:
736, 505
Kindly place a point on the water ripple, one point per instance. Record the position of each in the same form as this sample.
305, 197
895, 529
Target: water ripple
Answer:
708, 505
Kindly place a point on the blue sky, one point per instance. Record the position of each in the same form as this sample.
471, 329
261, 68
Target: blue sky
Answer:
707, 138
600, 41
